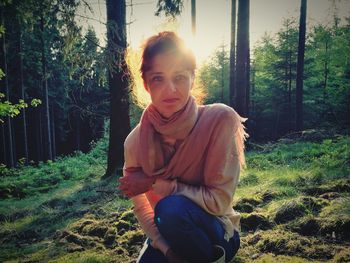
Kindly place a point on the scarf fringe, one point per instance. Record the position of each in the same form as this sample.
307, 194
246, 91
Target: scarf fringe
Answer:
240, 137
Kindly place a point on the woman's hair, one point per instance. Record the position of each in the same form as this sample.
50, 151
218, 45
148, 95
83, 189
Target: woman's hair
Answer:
166, 42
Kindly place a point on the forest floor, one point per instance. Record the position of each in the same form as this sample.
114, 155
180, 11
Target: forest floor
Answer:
294, 199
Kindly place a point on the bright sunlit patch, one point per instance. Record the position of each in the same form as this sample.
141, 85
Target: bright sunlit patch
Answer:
196, 46
139, 93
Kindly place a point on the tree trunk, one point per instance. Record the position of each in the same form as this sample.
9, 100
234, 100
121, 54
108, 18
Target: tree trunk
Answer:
118, 79
286, 94
9, 138
290, 89
3, 158
193, 17
48, 143
39, 135
300, 66
252, 70
8, 127
53, 133
25, 137
222, 62
248, 74
325, 73
242, 65
233, 54
77, 133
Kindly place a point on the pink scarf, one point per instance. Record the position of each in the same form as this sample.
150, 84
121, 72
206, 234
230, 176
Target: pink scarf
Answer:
192, 127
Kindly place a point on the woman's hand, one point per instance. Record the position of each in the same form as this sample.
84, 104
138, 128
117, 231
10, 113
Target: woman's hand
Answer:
135, 183
173, 258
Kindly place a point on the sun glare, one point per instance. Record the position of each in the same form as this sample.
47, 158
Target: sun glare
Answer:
196, 46
199, 48
139, 93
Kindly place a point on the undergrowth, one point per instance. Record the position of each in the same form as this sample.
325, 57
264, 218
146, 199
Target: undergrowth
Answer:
293, 197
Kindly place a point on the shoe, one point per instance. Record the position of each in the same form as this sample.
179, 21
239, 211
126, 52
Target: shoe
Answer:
219, 254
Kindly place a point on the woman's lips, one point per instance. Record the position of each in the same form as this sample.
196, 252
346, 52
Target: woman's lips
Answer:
170, 100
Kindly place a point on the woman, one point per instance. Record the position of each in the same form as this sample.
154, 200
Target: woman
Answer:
182, 163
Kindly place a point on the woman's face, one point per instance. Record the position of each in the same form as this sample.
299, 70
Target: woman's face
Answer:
169, 83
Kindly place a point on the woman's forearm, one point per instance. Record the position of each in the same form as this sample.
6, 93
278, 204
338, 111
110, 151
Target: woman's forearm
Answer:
145, 215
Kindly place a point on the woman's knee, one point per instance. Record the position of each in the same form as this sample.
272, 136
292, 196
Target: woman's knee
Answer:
171, 211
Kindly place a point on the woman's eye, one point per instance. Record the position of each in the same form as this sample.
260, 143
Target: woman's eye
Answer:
157, 78
180, 78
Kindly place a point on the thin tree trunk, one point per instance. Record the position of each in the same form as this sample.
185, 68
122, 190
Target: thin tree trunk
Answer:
248, 74
286, 86
14, 149
233, 54
77, 134
193, 17
252, 108
277, 124
48, 143
3, 158
300, 66
53, 133
290, 90
222, 73
25, 138
242, 65
325, 78
118, 79
39, 134
9, 137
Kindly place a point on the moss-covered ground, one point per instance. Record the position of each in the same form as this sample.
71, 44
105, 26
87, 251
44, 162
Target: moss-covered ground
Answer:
294, 198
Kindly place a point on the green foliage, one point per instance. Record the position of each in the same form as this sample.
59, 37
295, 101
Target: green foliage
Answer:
13, 110
273, 86
273, 74
214, 76
5, 2
171, 8
9, 109
75, 74
326, 80
28, 181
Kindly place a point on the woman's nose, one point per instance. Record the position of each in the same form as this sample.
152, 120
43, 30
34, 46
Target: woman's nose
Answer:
170, 85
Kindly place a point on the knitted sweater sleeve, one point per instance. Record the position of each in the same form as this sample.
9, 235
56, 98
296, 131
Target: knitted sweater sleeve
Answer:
221, 171
143, 209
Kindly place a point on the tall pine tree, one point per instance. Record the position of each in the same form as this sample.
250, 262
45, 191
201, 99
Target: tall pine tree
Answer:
118, 81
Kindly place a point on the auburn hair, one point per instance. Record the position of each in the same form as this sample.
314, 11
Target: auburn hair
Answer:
166, 42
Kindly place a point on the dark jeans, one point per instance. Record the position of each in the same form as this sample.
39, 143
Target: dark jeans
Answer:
190, 231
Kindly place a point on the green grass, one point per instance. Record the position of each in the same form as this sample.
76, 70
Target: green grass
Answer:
296, 195
37, 201
296, 175
289, 167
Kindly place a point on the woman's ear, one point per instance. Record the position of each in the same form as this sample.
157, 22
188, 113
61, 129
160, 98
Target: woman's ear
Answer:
192, 79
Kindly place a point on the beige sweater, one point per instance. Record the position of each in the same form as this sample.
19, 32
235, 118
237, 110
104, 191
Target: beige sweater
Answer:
213, 191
